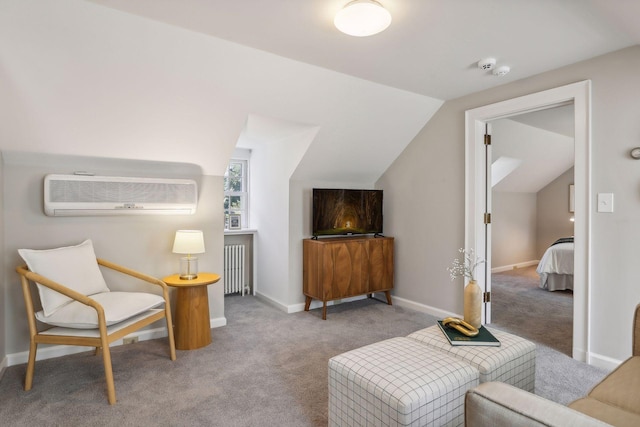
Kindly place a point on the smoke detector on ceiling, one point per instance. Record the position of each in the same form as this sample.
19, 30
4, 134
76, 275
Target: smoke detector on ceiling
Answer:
501, 71
487, 63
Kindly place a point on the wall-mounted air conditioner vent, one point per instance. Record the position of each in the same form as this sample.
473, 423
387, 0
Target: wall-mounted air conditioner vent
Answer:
82, 195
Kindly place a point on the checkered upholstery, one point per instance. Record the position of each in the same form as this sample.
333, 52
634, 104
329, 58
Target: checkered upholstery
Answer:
514, 362
398, 382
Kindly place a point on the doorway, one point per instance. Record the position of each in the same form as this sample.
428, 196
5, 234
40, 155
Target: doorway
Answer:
477, 229
531, 165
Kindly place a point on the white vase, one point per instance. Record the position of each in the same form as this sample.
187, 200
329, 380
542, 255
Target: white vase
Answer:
473, 304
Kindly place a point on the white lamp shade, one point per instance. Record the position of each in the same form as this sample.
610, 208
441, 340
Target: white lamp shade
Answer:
188, 242
362, 18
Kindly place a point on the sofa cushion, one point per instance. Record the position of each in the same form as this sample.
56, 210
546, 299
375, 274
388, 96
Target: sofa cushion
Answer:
496, 404
605, 412
617, 388
118, 306
72, 266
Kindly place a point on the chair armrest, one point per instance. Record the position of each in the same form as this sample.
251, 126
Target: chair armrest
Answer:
636, 332
27, 275
495, 404
132, 273
55, 286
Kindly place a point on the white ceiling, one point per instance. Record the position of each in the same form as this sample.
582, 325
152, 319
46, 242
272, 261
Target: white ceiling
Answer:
189, 73
557, 120
536, 147
431, 47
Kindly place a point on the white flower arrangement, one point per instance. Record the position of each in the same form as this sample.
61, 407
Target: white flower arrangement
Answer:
466, 267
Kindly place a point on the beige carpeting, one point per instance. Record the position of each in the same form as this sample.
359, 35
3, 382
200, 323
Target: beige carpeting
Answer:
520, 306
265, 368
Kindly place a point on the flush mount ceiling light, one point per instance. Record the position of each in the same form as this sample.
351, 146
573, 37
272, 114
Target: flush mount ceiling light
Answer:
361, 18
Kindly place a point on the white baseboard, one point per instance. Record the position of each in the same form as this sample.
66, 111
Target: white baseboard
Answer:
514, 266
272, 302
603, 362
218, 322
424, 308
46, 351
294, 308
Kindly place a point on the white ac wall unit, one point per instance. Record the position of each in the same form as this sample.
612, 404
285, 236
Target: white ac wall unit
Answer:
85, 195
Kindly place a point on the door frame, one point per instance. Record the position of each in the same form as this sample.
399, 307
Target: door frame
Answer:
475, 119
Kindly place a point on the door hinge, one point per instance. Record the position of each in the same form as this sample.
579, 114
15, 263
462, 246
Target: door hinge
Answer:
486, 297
487, 218
487, 139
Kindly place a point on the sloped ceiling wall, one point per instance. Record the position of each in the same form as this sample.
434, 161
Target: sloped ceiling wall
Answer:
80, 78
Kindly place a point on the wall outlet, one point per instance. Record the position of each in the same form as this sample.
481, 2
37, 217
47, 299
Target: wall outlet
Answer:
129, 340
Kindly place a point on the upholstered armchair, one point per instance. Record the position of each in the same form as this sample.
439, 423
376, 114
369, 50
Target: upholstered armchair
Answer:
78, 308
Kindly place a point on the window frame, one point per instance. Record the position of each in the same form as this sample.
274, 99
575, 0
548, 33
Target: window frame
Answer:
244, 195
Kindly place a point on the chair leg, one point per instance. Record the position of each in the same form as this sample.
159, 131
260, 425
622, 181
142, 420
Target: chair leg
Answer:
97, 351
172, 343
31, 366
108, 372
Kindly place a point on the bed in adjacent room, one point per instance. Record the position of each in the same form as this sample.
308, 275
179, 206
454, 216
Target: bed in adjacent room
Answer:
556, 266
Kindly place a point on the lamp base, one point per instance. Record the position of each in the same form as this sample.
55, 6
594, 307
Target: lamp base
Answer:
188, 268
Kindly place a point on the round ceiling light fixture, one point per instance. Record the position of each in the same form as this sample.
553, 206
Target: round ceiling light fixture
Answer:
361, 18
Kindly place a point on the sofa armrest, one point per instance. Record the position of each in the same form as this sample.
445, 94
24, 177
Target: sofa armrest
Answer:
495, 404
636, 332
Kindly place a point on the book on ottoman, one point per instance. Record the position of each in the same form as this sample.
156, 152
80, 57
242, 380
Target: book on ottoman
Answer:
484, 337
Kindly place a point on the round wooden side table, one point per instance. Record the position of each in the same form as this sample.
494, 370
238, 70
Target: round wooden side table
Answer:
191, 325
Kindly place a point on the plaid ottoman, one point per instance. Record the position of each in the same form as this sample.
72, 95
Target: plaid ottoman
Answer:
514, 362
398, 382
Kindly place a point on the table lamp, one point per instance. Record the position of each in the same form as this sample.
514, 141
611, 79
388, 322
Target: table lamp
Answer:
188, 242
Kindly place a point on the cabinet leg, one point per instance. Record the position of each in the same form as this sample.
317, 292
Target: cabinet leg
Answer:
307, 303
324, 310
388, 294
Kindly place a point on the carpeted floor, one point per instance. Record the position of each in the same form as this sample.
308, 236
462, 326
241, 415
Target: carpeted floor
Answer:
265, 368
520, 306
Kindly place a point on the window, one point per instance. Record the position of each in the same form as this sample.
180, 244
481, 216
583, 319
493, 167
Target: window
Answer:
236, 194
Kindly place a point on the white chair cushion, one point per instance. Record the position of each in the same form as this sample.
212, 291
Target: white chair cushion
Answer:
73, 266
118, 306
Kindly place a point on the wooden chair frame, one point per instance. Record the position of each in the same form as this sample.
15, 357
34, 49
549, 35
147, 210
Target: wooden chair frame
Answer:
105, 337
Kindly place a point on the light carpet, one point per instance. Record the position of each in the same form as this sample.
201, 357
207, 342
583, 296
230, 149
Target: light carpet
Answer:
520, 306
265, 368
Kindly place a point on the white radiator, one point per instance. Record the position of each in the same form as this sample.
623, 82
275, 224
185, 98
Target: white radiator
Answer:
234, 269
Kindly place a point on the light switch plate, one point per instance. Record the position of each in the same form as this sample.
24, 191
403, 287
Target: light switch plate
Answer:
605, 202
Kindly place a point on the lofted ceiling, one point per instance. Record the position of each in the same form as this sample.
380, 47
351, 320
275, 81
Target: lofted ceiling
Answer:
432, 46
144, 79
530, 150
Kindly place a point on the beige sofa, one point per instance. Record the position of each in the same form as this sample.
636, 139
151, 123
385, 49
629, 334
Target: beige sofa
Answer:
614, 401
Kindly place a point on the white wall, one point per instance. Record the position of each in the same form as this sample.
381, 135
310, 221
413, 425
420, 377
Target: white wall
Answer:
140, 242
553, 212
513, 228
272, 163
426, 184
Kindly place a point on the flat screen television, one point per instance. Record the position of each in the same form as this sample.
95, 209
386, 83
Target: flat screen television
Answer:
342, 211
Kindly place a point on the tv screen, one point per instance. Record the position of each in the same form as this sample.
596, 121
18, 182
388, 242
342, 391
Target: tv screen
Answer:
340, 211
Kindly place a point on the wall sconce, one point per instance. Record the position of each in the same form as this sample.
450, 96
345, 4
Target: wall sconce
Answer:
188, 242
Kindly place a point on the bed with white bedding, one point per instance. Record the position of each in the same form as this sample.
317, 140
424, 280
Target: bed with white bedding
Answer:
556, 266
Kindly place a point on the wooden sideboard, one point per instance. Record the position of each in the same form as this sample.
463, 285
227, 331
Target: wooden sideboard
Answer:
341, 267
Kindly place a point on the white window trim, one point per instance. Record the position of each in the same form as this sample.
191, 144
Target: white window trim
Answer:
245, 217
